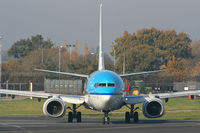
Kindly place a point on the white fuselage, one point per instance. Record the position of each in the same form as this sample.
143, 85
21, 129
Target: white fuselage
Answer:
104, 102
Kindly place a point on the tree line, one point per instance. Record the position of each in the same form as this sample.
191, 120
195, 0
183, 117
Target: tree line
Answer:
146, 50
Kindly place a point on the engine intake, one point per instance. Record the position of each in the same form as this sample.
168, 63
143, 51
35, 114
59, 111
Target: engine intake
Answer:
54, 107
153, 108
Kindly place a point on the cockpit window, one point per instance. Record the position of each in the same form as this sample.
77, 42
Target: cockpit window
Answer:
104, 85
111, 85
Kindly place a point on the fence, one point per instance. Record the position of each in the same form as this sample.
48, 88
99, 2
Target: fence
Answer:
190, 85
75, 87
14, 86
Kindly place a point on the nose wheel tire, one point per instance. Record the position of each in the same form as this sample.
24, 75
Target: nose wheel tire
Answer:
106, 120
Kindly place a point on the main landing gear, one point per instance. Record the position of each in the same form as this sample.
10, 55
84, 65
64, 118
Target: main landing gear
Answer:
132, 114
106, 118
73, 114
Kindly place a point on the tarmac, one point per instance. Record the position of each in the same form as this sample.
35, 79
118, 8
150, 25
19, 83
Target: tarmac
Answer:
53, 125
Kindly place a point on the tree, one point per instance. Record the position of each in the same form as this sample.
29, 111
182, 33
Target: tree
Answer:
148, 49
23, 47
75, 52
196, 70
196, 49
176, 68
86, 50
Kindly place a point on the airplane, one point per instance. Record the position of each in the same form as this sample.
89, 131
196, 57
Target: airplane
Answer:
104, 92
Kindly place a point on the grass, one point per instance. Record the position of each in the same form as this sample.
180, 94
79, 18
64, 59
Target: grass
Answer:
20, 107
34, 108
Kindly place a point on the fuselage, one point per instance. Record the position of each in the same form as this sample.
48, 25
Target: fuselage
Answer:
105, 91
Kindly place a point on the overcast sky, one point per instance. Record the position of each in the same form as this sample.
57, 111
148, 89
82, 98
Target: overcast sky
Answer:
71, 20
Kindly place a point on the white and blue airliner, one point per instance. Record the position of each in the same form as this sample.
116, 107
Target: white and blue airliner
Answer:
104, 93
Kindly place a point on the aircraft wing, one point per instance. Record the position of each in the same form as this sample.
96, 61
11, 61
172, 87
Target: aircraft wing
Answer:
65, 73
135, 99
142, 98
74, 99
140, 73
26, 93
176, 94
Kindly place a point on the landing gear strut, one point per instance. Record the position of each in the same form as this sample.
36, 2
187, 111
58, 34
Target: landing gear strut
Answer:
106, 118
73, 114
132, 114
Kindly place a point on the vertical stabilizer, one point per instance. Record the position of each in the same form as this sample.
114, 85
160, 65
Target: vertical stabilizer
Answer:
101, 53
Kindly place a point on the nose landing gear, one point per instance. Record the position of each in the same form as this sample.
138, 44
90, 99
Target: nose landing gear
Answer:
106, 118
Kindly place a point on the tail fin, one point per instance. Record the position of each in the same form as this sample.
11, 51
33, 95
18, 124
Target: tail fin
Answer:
101, 53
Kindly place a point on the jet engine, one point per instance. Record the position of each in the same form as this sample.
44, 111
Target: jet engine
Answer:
54, 107
153, 108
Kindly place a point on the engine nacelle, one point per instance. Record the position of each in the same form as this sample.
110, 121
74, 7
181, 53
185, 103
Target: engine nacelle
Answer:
54, 107
153, 108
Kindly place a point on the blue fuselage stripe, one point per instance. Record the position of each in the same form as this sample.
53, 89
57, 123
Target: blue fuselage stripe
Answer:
105, 93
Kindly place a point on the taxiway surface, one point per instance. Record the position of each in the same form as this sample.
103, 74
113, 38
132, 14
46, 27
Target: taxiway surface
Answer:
49, 125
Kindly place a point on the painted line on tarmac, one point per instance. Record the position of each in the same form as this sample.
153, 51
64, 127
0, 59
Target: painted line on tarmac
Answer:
136, 126
15, 126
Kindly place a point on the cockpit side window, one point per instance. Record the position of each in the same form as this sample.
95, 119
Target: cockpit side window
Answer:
111, 84
102, 84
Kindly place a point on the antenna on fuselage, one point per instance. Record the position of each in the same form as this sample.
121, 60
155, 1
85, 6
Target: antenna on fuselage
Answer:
101, 53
